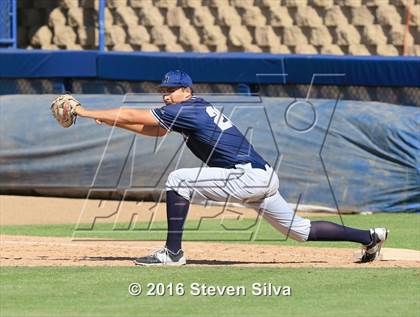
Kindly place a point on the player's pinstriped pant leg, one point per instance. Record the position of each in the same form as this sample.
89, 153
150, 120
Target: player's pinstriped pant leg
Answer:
277, 212
255, 188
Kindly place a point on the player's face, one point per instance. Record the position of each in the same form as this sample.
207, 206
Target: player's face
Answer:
172, 95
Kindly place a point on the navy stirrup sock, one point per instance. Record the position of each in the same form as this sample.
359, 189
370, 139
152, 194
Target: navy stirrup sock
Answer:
176, 213
330, 231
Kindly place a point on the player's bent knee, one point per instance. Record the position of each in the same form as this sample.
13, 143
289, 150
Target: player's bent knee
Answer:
300, 234
300, 230
298, 237
174, 179
177, 183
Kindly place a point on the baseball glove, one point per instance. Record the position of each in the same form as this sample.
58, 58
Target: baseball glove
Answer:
64, 110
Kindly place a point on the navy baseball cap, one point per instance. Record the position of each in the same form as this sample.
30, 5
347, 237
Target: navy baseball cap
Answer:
176, 78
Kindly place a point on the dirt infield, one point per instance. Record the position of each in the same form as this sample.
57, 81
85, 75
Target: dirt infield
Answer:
52, 210
22, 210
46, 251
49, 251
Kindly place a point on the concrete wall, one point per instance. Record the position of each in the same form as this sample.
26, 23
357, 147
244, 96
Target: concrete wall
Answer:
355, 27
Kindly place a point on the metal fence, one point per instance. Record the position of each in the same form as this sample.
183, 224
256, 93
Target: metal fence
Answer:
405, 96
8, 36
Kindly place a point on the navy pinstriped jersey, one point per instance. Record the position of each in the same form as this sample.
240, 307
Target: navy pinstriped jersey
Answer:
208, 133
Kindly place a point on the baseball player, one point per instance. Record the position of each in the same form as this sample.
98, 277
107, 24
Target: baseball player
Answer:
235, 172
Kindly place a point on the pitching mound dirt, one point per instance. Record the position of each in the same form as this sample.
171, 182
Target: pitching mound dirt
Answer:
25, 210
46, 251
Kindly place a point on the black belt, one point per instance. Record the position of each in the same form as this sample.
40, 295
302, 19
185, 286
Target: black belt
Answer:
255, 165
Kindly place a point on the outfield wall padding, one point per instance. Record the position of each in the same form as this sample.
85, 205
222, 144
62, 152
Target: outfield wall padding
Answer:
357, 156
251, 68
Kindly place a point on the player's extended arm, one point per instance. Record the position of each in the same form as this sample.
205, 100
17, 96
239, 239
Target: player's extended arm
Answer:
120, 116
138, 128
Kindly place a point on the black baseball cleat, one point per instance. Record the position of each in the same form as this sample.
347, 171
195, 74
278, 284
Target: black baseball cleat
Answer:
163, 256
371, 251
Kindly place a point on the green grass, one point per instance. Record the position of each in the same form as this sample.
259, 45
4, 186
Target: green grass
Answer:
83, 291
104, 292
405, 230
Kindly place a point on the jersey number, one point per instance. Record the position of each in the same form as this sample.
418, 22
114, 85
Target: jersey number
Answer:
219, 119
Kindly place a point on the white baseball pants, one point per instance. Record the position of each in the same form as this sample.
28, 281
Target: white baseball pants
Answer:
252, 187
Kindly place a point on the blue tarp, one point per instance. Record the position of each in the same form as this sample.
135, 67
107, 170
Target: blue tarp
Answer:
251, 68
359, 156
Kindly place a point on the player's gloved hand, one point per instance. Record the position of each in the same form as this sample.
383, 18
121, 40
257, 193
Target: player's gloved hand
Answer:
64, 110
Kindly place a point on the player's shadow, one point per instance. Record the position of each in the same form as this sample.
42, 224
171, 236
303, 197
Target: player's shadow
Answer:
226, 262
108, 258
200, 262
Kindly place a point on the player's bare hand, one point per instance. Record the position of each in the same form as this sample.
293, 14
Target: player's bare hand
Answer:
80, 111
98, 121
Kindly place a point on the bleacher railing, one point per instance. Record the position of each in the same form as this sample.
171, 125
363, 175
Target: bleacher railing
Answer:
8, 34
101, 25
